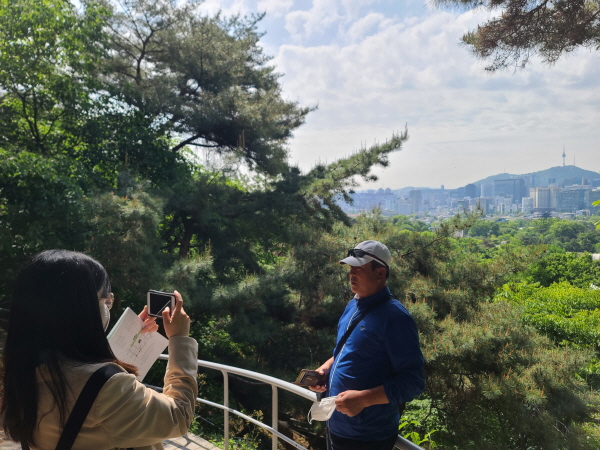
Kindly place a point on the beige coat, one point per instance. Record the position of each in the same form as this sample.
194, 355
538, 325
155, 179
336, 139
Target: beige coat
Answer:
126, 413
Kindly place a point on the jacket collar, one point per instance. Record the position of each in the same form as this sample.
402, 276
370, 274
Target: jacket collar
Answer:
376, 297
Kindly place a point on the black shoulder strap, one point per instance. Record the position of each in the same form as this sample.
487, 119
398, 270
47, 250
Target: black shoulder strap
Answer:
84, 404
361, 316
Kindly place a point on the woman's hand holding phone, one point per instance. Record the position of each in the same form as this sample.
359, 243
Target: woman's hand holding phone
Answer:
178, 322
150, 325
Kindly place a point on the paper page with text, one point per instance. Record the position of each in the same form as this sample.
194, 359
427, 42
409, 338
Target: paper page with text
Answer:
131, 346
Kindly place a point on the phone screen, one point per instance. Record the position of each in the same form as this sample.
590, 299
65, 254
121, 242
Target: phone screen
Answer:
157, 302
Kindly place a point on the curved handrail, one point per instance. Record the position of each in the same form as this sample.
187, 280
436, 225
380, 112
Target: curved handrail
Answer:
275, 384
309, 395
401, 443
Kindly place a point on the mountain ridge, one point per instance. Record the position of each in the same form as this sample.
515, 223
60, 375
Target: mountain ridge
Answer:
558, 172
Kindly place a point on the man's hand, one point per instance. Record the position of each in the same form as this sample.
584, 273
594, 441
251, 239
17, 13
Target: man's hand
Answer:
351, 403
323, 370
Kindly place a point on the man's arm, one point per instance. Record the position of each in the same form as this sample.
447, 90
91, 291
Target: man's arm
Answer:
352, 403
402, 346
323, 370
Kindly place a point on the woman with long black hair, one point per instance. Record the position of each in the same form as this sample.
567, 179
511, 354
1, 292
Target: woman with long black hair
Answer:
56, 341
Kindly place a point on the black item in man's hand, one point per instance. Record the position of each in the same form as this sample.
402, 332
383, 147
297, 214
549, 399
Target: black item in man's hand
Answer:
310, 378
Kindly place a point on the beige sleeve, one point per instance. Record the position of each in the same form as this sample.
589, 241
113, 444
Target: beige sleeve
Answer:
133, 415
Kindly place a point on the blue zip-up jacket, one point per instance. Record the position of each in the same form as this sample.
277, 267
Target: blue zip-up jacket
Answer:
383, 350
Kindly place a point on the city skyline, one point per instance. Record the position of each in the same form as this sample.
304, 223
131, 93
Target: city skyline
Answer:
591, 175
564, 191
374, 66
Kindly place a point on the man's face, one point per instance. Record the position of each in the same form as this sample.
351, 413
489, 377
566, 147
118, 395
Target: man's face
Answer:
365, 281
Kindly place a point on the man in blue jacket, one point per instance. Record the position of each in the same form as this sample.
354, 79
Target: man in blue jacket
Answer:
380, 365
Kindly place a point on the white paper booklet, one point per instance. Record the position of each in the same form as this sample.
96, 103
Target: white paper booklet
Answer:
131, 346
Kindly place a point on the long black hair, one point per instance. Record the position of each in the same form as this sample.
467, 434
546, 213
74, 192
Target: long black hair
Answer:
54, 317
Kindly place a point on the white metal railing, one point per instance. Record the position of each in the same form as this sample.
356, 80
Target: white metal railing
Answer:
401, 443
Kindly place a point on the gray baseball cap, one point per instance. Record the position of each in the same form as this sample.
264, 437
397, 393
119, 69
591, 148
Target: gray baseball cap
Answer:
366, 252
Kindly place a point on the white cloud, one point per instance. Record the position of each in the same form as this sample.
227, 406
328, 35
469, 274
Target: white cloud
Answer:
228, 8
462, 121
275, 8
304, 24
352, 8
364, 27
371, 70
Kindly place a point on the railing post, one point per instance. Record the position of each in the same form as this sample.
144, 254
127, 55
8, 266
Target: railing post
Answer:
275, 416
226, 410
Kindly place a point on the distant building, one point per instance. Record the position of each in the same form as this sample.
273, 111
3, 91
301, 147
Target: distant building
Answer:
576, 180
544, 199
471, 190
487, 190
529, 182
581, 190
512, 187
590, 198
404, 206
567, 201
527, 205
545, 181
485, 204
416, 198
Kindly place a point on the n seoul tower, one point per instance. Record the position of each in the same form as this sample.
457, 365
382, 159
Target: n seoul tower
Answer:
564, 155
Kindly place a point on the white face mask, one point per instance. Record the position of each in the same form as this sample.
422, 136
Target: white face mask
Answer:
104, 313
322, 410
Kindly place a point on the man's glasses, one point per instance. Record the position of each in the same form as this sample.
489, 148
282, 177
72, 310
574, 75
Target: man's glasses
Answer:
108, 301
358, 253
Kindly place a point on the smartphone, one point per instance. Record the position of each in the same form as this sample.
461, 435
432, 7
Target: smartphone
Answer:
158, 301
310, 378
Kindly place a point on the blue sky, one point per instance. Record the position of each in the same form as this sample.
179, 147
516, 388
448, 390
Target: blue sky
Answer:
373, 66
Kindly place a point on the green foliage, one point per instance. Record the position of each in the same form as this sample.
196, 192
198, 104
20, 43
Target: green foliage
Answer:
419, 422
204, 78
121, 233
485, 228
40, 208
47, 55
574, 236
499, 377
410, 224
244, 437
559, 235
518, 30
414, 436
578, 270
565, 313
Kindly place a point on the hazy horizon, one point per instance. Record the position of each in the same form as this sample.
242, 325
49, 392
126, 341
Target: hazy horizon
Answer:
476, 181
